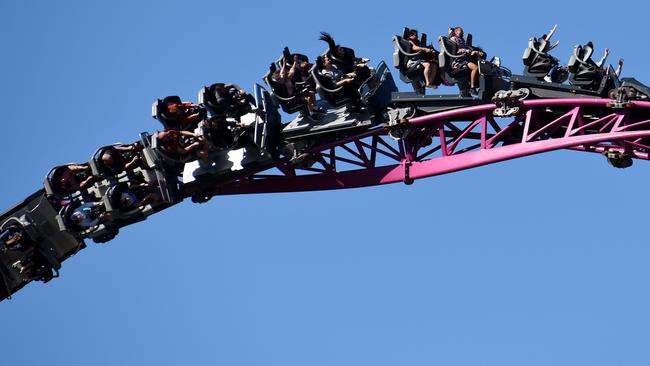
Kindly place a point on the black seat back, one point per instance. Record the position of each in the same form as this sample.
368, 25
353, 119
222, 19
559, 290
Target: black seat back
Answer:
159, 109
538, 63
449, 52
289, 104
584, 71
335, 95
402, 53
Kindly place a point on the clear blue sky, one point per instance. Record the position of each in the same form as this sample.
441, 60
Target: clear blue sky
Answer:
537, 261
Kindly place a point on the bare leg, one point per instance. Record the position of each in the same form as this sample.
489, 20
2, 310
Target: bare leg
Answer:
433, 70
427, 73
474, 75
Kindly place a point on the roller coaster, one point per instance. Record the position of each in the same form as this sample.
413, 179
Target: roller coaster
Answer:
359, 132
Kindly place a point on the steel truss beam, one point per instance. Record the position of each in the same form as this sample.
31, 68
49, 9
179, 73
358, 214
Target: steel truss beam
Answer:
456, 140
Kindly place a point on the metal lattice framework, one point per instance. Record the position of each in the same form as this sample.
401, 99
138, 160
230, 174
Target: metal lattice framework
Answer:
460, 139
399, 151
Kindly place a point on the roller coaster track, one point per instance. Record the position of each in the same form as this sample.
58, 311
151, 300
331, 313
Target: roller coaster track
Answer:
455, 140
402, 151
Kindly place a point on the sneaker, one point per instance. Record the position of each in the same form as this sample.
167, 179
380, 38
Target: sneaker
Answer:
431, 86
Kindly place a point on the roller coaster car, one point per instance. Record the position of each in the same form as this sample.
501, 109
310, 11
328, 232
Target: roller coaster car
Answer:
402, 54
181, 121
348, 108
31, 246
537, 63
255, 143
585, 73
587, 79
492, 78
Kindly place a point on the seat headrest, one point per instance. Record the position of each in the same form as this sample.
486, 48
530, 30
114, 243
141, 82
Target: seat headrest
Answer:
172, 99
588, 50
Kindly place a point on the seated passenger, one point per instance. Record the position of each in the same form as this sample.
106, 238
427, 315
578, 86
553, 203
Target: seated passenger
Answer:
171, 142
296, 82
233, 101
427, 57
339, 78
86, 215
72, 178
14, 239
602, 61
218, 133
32, 266
137, 196
119, 158
184, 115
471, 59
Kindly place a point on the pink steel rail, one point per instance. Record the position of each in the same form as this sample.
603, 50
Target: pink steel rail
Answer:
464, 138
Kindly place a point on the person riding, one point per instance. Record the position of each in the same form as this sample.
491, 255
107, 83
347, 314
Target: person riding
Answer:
471, 59
601, 63
425, 56
137, 196
73, 177
119, 158
170, 141
185, 115
13, 238
89, 214
558, 73
296, 82
233, 101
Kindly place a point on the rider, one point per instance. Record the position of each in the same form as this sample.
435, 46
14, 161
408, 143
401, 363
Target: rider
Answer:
471, 59
13, 238
233, 101
425, 57
185, 115
89, 214
298, 76
73, 177
602, 61
119, 158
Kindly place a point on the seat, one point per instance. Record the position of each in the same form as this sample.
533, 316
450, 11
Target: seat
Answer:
449, 52
537, 63
336, 96
208, 97
159, 111
54, 188
585, 73
402, 53
28, 259
289, 103
120, 160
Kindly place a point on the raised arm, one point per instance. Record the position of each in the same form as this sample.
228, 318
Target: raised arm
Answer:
603, 59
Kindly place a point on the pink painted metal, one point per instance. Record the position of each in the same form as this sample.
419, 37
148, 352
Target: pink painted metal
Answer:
459, 139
